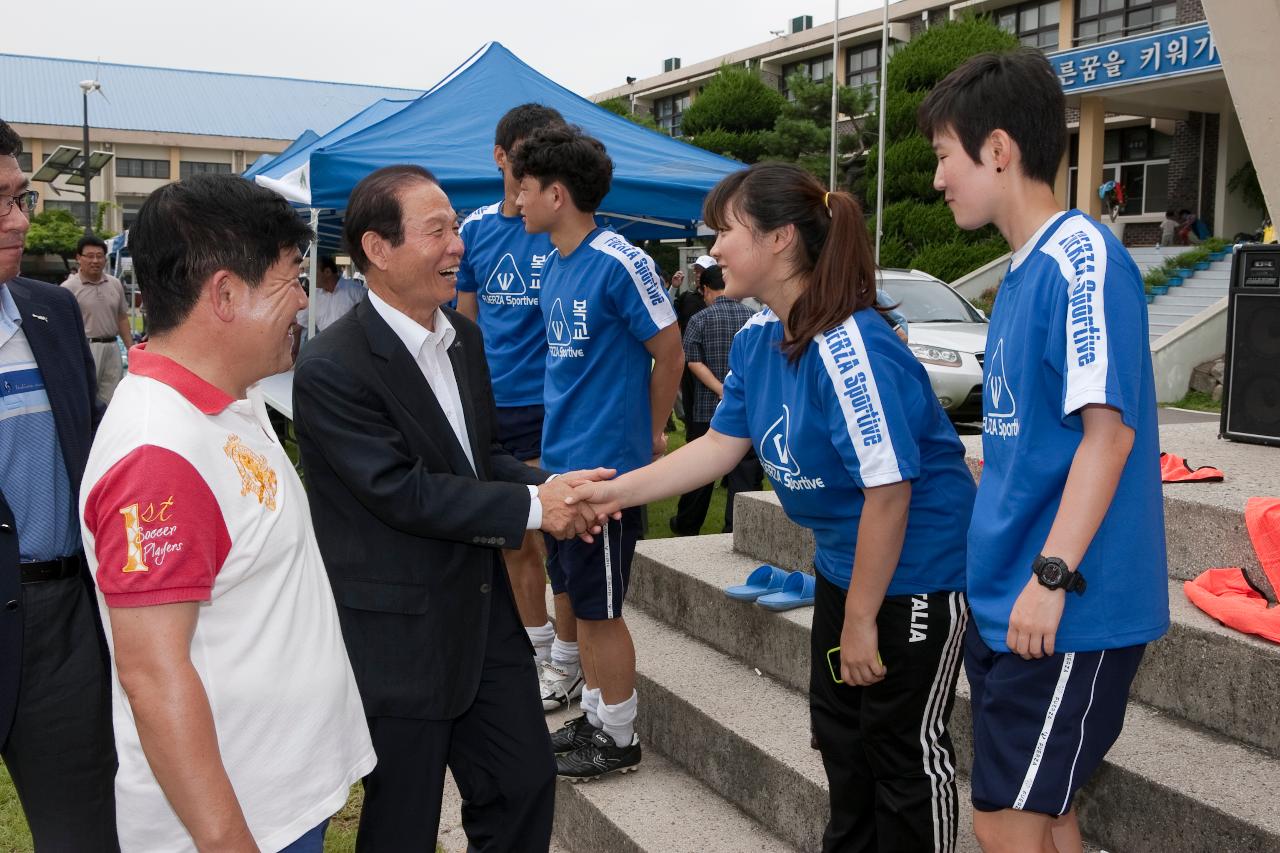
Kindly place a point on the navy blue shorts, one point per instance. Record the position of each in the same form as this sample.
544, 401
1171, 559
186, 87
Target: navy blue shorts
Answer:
595, 578
519, 430
1042, 726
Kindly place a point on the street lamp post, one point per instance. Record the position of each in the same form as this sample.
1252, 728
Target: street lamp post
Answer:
87, 86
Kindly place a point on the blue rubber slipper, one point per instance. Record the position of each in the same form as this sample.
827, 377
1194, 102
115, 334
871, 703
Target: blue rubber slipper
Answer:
797, 591
761, 581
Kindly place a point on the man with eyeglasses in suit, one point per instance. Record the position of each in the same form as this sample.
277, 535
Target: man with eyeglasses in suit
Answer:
55, 712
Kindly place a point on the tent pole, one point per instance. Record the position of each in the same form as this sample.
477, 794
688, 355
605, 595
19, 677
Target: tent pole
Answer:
835, 90
313, 271
880, 140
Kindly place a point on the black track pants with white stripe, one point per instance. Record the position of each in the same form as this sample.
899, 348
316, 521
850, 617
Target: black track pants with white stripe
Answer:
886, 748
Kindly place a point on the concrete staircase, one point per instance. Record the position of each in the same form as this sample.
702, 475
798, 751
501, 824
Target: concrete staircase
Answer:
1203, 289
724, 714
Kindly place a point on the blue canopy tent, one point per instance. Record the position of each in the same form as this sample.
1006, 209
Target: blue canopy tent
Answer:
307, 138
659, 183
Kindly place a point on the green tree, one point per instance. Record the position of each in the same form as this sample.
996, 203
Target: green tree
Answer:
802, 132
734, 114
56, 232
622, 106
919, 231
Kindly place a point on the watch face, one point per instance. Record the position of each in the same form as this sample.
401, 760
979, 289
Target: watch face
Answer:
1051, 574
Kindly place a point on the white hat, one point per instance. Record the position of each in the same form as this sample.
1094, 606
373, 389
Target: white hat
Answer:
706, 262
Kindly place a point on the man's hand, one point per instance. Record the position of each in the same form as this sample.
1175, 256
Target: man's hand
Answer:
1033, 623
677, 279
562, 519
659, 446
859, 653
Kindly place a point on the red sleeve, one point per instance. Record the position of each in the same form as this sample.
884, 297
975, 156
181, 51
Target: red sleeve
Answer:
158, 532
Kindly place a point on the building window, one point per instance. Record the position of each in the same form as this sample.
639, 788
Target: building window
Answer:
1035, 24
816, 69
1138, 159
668, 111
1104, 20
24, 161
862, 67
75, 208
187, 168
132, 167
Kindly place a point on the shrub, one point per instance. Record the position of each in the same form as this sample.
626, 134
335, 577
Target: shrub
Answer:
736, 100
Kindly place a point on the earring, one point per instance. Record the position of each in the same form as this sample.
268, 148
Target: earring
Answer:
999, 169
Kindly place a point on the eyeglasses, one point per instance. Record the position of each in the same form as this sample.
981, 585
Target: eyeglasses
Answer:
26, 202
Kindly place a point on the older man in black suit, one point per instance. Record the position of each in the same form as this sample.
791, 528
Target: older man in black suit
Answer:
55, 701
413, 502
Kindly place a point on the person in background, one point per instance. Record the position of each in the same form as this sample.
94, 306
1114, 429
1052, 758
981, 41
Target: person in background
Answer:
105, 311
499, 283
1169, 228
613, 364
55, 693
706, 352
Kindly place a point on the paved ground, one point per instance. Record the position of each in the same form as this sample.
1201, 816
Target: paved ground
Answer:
1167, 416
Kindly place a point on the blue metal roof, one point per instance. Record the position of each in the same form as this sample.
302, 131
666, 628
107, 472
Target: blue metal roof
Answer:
42, 90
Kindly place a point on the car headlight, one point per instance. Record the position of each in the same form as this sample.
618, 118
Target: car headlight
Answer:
940, 356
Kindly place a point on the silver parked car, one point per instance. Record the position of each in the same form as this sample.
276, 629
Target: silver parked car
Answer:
948, 336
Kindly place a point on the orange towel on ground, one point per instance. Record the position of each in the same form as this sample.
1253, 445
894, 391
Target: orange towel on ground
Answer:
1227, 595
1174, 469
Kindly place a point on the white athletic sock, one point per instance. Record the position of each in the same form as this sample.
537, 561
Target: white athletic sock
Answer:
591, 705
541, 639
564, 654
619, 721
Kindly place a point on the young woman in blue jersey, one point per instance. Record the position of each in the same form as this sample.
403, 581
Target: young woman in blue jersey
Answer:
859, 451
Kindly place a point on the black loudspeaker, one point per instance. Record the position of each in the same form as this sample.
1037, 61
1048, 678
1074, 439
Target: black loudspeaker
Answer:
1251, 372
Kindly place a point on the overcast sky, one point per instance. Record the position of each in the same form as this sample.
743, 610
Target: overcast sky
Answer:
585, 46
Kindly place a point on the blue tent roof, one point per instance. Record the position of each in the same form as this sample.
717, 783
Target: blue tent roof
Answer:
657, 180
299, 153
307, 138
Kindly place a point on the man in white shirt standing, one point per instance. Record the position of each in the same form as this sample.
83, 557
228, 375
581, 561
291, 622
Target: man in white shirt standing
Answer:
414, 501
105, 310
237, 718
334, 296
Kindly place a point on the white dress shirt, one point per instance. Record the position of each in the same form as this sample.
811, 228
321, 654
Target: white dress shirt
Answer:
430, 351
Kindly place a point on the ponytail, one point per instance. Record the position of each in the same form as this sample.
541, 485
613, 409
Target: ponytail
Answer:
833, 254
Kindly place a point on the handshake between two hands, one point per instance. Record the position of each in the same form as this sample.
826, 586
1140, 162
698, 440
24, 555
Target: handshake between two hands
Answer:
578, 503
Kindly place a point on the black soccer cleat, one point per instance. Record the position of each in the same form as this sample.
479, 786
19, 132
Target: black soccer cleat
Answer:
574, 734
599, 757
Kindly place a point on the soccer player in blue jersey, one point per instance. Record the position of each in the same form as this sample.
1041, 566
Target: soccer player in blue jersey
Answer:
1066, 572
613, 363
859, 451
499, 281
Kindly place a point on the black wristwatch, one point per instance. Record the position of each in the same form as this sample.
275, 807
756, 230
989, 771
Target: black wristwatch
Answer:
1053, 574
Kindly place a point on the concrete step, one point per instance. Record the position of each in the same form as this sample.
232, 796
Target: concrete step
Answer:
1168, 315
658, 809
744, 735
1165, 785
1191, 301
1200, 672
1198, 289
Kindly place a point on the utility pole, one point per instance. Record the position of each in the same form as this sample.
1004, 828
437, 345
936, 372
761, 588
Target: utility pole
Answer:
87, 86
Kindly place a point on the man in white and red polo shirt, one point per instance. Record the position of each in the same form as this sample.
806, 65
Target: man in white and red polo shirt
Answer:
238, 723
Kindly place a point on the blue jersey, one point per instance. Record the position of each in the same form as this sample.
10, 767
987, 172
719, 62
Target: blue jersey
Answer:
503, 266
856, 411
1069, 330
600, 304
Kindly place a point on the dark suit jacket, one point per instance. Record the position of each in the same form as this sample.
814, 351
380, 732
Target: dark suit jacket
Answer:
411, 537
53, 327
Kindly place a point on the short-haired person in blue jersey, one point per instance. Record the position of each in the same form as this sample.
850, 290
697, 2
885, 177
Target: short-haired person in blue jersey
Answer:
499, 280
613, 364
858, 450
1067, 574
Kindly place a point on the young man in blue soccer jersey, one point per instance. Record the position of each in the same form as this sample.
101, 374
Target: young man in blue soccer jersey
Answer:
1066, 568
613, 365
499, 280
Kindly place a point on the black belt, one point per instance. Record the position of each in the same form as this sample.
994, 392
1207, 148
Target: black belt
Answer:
106, 340
52, 570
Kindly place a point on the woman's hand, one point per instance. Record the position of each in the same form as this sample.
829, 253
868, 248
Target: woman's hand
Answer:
859, 653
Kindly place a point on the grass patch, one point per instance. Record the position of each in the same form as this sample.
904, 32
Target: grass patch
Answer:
1197, 401
14, 837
